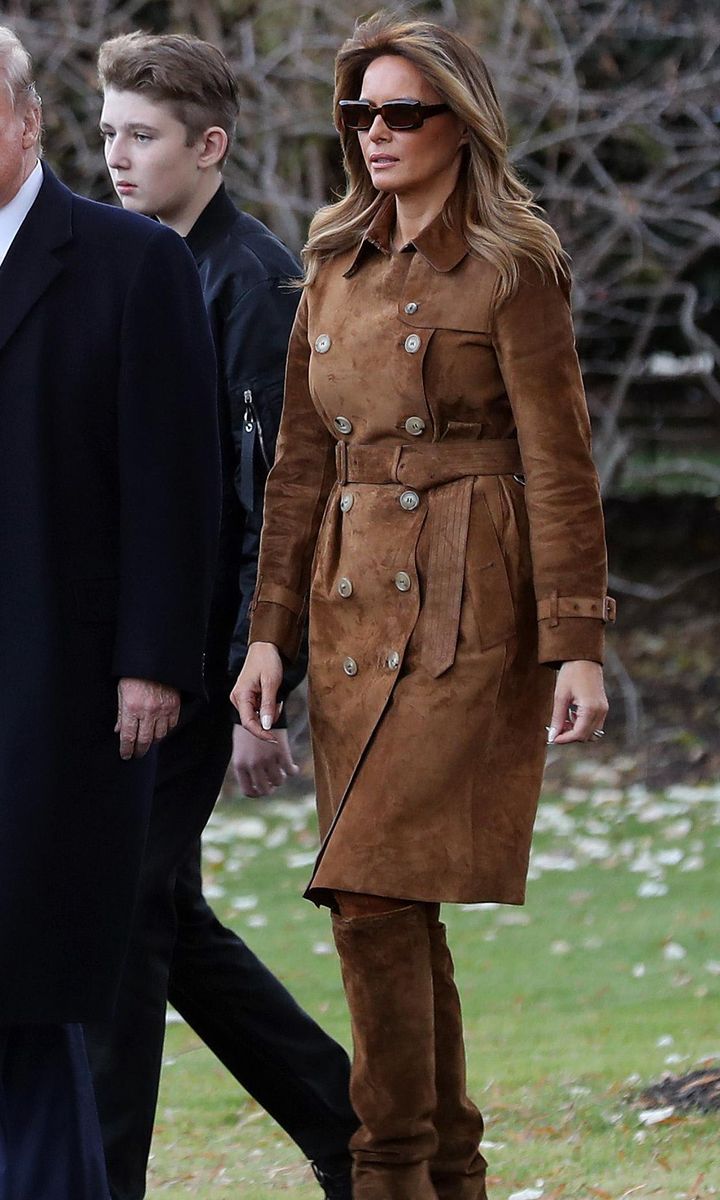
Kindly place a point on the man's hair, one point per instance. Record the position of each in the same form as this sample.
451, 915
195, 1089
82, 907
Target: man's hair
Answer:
16, 69
191, 76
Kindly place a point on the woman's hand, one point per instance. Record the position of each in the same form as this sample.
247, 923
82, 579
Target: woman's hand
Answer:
256, 689
580, 706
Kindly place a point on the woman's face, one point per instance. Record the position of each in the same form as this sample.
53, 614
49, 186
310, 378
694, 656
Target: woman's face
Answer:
404, 162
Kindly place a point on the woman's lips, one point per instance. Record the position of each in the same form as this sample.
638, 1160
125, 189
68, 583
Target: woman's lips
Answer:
382, 163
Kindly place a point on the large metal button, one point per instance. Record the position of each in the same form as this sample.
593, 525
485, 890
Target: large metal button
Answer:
346, 501
409, 501
345, 587
323, 343
343, 425
415, 426
403, 582
393, 660
412, 343
411, 307
350, 667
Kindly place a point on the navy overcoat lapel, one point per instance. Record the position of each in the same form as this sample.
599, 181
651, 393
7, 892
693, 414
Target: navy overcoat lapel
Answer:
31, 263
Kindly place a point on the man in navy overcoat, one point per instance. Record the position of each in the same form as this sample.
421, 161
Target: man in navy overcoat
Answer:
109, 507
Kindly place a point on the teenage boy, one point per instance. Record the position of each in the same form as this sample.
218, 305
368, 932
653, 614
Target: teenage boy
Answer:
169, 113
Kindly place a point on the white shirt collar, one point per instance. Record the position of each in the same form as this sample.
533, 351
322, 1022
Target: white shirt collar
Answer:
13, 214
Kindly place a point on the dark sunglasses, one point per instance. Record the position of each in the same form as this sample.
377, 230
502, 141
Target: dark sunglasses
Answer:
397, 114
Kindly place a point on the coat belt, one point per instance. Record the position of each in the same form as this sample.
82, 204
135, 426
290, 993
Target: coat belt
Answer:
446, 471
429, 466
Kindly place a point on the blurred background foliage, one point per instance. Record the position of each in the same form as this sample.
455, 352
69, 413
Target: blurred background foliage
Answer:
615, 121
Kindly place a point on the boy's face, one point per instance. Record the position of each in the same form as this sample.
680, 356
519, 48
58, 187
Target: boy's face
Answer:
152, 169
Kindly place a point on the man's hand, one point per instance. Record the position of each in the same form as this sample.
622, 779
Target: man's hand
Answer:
261, 767
147, 711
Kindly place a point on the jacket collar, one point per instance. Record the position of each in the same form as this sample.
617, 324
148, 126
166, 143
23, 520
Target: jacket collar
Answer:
439, 243
214, 221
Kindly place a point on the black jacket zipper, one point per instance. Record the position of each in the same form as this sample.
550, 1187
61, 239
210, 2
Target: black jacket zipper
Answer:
251, 421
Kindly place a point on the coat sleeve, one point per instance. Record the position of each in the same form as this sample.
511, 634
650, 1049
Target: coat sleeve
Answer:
168, 470
297, 492
535, 346
295, 671
256, 333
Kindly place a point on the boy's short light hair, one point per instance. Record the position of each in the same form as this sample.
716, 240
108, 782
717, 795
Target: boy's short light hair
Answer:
193, 77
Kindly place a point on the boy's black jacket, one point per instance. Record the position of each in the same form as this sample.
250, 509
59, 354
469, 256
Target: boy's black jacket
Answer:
246, 275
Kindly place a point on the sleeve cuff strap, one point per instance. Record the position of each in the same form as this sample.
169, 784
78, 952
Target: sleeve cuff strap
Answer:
571, 639
270, 593
553, 607
277, 624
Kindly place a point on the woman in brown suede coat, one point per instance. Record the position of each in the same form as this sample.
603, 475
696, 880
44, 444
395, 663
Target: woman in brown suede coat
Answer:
435, 504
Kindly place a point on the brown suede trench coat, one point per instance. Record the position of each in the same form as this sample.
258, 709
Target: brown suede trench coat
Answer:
435, 502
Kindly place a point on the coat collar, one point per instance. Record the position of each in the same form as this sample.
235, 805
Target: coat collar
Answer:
31, 263
439, 243
214, 221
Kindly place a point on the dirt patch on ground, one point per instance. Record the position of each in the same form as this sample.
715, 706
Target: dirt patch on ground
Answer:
698, 1090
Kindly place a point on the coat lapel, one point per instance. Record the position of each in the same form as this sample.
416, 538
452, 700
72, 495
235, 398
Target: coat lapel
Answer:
31, 263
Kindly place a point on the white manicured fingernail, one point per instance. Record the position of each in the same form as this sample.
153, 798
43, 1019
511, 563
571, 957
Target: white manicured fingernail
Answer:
266, 721
552, 734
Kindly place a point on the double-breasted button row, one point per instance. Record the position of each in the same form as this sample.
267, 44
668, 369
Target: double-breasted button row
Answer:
413, 342
411, 307
402, 582
323, 343
413, 425
409, 501
392, 661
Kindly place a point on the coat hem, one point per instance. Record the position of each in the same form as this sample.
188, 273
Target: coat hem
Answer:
323, 895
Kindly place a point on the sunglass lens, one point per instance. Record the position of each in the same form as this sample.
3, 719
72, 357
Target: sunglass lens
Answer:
356, 116
401, 115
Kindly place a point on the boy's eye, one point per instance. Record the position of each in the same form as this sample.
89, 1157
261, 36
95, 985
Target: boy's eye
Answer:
142, 137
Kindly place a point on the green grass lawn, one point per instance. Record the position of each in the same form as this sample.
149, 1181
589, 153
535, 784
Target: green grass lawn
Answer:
606, 980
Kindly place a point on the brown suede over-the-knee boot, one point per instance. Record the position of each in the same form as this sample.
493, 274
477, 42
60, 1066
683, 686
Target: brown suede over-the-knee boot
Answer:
458, 1169
386, 970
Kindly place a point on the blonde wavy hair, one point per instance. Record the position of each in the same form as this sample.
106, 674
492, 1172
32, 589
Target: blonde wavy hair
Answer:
494, 209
